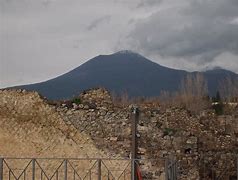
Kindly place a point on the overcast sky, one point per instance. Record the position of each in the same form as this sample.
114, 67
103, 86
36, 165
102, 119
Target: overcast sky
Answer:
41, 39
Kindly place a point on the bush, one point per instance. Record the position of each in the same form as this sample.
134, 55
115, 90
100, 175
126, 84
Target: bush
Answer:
76, 101
217, 104
218, 108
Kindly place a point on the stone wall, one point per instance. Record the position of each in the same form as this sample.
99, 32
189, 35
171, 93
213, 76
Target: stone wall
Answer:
193, 139
92, 122
29, 127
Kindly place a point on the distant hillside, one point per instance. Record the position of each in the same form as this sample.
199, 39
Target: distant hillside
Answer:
124, 71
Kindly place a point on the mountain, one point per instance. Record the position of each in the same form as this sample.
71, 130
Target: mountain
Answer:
124, 71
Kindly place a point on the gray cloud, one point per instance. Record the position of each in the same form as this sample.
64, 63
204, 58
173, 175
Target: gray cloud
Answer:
41, 39
198, 30
99, 21
147, 3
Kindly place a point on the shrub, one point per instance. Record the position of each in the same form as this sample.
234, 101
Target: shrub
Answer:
217, 104
76, 101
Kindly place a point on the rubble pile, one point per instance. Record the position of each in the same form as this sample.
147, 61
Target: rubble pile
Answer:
162, 133
93, 121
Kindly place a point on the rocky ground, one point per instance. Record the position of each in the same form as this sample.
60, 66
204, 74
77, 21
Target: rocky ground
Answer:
204, 144
31, 128
193, 139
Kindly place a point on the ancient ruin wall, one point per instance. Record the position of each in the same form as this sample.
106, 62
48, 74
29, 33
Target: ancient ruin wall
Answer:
82, 126
29, 127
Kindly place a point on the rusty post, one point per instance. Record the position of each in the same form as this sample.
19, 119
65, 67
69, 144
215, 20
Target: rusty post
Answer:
134, 147
65, 169
33, 168
99, 169
1, 168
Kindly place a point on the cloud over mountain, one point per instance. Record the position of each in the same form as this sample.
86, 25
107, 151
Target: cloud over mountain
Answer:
41, 39
198, 31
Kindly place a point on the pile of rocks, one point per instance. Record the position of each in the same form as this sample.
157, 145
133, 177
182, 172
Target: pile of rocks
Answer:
107, 125
161, 132
195, 140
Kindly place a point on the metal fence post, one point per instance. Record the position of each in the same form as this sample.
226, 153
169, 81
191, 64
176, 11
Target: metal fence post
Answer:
237, 168
132, 169
170, 169
134, 147
174, 169
99, 169
166, 169
1, 168
65, 169
33, 168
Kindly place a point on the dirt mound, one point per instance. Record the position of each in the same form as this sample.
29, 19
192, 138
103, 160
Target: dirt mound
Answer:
29, 127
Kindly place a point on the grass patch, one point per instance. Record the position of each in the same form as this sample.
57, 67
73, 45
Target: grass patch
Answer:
169, 132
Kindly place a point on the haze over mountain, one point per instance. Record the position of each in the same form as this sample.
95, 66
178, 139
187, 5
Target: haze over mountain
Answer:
124, 71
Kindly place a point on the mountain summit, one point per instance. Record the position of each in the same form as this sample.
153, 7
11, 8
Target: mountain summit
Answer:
128, 52
124, 71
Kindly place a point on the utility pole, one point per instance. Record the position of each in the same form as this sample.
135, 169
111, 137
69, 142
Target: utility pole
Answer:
134, 146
